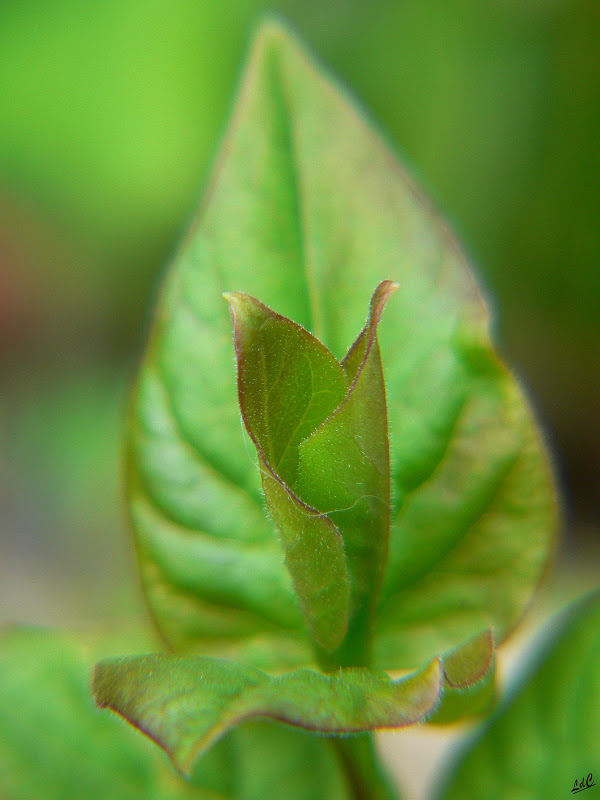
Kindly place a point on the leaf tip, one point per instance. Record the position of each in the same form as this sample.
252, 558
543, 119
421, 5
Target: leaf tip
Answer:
104, 684
271, 30
235, 301
230, 297
471, 661
381, 295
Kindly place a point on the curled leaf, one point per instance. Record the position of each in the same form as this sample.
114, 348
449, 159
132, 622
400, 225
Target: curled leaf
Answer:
320, 430
288, 383
543, 742
345, 472
186, 703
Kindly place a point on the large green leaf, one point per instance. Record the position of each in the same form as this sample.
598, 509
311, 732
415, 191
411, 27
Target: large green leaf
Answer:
270, 761
547, 736
185, 703
308, 210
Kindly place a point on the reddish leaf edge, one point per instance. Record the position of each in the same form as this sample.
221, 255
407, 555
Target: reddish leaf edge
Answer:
461, 668
380, 296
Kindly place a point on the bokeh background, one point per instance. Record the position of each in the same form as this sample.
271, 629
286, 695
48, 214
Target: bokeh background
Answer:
110, 113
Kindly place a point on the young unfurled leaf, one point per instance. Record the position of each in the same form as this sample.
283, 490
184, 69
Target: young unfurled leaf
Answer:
320, 429
345, 472
186, 703
547, 735
288, 383
308, 210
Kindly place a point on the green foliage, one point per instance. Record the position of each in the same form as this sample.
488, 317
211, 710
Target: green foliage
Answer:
186, 703
320, 430
390, 544
309, 221
54, 743
288, 385
547, 735
409, 519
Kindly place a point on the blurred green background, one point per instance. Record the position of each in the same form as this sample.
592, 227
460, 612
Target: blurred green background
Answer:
110, 113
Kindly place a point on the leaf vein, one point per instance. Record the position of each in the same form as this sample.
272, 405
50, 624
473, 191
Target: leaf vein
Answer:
193, 447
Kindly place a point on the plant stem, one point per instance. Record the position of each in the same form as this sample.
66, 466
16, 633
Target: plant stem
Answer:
365, 775
355, 650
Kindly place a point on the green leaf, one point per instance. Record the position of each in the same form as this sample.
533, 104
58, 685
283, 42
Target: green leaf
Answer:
345, 472
308, 210
272, 761
186, 703
469, 681
288, 384
54, 743
320, 429
547, 735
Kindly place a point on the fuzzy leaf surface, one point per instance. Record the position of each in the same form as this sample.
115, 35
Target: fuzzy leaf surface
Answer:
320, 430
547, 735
308, 210
185, 703
344, 471
288, 384
55, 744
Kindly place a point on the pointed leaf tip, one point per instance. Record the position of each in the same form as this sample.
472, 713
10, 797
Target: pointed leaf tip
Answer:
271, 31
380, 297
238, 301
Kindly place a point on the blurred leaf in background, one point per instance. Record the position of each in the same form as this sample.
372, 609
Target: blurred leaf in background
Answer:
544, 741
54, 743
109, 116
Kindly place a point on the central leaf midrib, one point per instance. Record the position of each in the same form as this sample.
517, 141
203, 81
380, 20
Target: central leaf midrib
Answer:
314, 322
